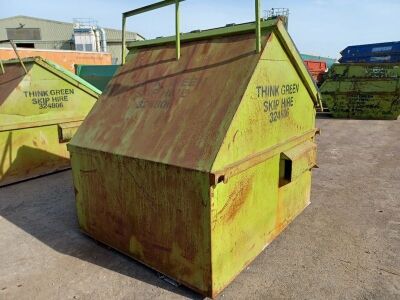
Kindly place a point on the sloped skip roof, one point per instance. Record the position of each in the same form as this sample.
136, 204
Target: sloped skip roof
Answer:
10, 116
174, 112
68, 75
14, 73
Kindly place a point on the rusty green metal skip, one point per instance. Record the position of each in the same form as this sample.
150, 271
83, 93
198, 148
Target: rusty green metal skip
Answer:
363, 91
194, 159
41, 106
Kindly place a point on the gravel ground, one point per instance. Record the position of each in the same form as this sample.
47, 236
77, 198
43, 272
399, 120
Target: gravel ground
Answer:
345, 245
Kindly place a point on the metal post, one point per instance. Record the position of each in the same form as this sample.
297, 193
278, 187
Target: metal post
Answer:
123, 39
151, 7
258, 27
177, 31
2, 67
19, 58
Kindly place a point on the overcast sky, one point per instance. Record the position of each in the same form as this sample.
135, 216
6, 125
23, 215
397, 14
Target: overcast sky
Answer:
321, 27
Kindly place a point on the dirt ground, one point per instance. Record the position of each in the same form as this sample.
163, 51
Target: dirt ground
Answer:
345, 245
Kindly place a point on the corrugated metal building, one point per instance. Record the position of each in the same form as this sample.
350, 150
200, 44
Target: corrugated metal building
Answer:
30, 32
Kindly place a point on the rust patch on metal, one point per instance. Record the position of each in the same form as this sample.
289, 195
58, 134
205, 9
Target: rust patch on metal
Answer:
236, 200
280, 214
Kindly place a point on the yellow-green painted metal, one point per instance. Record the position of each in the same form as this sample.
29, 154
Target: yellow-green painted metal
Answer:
205, 160
177, 30
39, 112
363, 91
258, 25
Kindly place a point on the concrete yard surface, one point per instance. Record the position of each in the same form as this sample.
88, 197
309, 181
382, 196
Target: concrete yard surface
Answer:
345, 245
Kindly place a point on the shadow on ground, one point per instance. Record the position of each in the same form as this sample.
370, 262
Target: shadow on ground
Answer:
51, 218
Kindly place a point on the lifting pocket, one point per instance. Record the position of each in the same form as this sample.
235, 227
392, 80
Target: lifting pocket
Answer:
67, 130
294, 162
